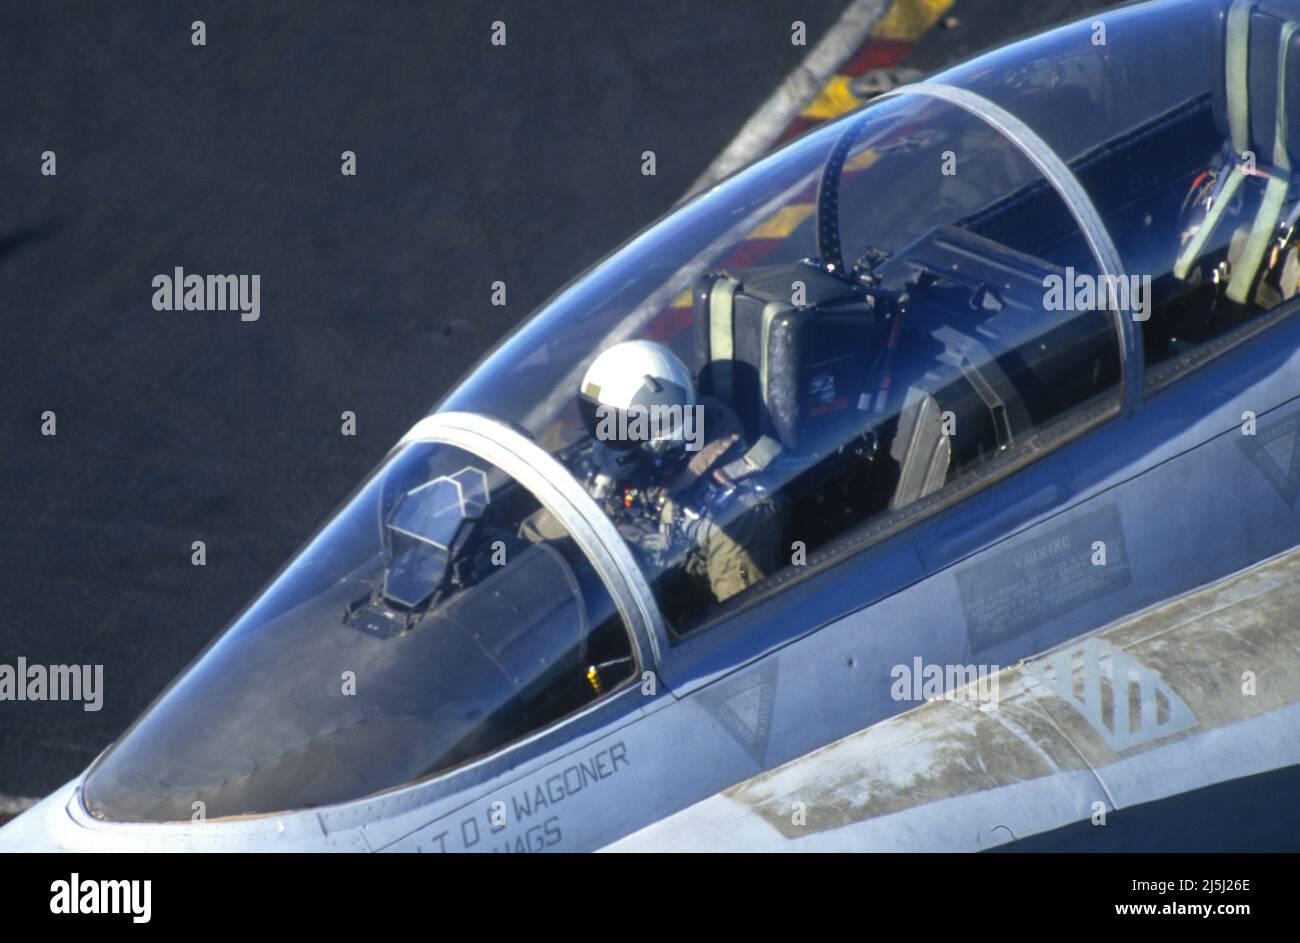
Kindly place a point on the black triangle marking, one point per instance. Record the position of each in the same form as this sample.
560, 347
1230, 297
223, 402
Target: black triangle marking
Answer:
1275, 451
743, 706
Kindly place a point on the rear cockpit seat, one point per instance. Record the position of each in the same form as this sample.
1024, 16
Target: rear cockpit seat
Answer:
1256, 103
970, 363
997, 362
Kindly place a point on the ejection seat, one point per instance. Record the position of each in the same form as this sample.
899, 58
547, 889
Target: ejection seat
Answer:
981, 348
793, 372
1259, 57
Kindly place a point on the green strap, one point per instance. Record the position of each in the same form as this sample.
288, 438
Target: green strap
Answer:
770, 311
1244, 273
1281, 152
722, 299
1237, 81
1261, 234
1237, 62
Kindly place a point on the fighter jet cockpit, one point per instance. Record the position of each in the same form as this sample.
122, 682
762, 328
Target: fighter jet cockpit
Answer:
857, 332
914, 300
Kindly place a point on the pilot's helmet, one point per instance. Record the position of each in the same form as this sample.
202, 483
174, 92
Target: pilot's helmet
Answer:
636, 394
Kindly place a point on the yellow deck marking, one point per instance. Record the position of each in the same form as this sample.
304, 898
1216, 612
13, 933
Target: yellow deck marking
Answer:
909, 20
783, 222
905, 21
832, 101
861, 161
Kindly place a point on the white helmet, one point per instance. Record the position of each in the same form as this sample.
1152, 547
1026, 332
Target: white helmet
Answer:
636, 393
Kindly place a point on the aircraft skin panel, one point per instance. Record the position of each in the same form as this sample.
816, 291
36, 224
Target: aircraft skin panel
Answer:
1058, 744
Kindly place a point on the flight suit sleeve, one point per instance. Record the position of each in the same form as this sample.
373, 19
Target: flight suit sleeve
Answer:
743, 551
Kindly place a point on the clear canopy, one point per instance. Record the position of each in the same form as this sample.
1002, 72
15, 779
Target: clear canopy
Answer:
416, 632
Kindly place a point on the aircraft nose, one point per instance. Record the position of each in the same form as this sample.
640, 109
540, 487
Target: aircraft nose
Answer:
43, 827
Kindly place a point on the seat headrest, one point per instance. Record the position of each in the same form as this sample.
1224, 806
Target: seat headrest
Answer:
1265, 22
791, 371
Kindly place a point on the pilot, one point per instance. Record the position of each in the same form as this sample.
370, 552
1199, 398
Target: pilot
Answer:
674, 473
